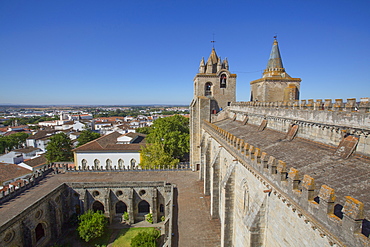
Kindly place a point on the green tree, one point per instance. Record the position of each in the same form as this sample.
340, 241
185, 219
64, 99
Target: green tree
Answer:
3, 144
12, 141
18, 139
144, 130
145, 239
154, 156
59, 148
87, 136
173, 133
92, 225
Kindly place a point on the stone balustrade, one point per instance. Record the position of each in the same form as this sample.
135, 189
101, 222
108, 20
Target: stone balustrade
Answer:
297, 191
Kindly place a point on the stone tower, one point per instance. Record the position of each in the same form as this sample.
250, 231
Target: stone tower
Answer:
275, 84
214, 89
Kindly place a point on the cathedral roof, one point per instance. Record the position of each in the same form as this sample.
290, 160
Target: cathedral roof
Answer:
275, 58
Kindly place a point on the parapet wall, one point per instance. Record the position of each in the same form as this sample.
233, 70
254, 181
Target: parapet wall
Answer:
299, 194
326, 122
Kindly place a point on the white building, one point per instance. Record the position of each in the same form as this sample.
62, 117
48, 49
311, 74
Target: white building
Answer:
109, 151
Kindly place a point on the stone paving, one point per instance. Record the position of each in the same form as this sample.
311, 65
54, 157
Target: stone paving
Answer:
193, 226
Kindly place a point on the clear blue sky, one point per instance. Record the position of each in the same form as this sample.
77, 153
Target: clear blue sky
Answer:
148, 51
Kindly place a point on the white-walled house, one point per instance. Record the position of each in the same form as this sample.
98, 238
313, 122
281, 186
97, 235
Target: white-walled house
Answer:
109, 151
40, 139
18, 155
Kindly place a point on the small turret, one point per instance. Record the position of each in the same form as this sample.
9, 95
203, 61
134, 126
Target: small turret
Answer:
275, 84
225, 64
202, 66
219, 64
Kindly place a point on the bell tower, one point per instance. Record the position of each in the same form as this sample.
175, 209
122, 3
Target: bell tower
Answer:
214, 89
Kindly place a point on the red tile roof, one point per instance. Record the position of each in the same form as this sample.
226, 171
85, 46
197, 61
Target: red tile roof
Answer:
11, 171
109, 143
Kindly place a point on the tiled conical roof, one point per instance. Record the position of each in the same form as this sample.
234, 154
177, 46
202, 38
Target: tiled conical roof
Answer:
275, 58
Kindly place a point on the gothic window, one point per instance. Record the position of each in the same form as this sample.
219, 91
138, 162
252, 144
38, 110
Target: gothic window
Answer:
120, 164
84, 163
108, 163
96, 163
208, 89
161, 208
223, 81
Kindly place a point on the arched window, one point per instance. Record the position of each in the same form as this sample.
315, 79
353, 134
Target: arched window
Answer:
83, 163
132, 163
208, 89
143, 207
223, 81
98, 206
96, 163
108, 164
120, 164
39, 232
121, 207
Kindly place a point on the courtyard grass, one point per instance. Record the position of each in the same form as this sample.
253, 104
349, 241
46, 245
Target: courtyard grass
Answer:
125, 236
120, 239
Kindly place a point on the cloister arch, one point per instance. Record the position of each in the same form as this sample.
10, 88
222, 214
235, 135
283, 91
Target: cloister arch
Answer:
39, 232
96, 163
121, 207
120, 163
108, 164
143, 207
132, 163
98, 206
83, 163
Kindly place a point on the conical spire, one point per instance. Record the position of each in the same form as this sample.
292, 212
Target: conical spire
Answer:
213, 59
212, 62
275, 61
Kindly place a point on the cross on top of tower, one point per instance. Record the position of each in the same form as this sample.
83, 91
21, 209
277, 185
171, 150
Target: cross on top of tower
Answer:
213, 41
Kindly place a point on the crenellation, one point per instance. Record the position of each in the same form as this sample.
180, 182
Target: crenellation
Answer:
264, 160
293, 179
251, 152
272, 165
351, 105
338, 105
364, 106
353, 215
308, 191
282, 172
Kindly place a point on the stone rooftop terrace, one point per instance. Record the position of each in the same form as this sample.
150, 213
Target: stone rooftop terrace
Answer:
349, 177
